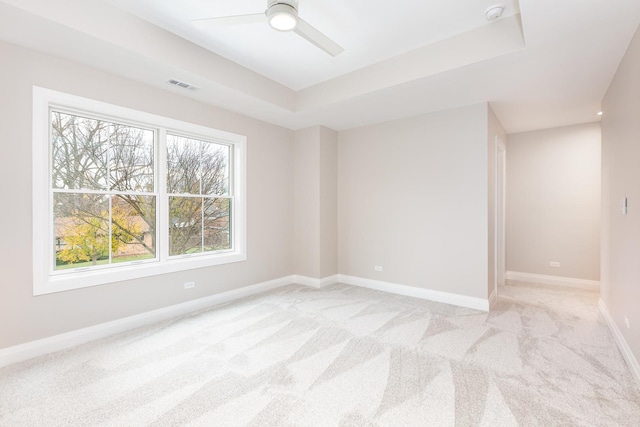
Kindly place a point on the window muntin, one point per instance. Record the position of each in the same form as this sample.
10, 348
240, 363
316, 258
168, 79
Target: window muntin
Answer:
110, 214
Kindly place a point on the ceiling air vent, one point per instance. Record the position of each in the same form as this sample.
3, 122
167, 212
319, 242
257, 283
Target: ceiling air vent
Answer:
182, 84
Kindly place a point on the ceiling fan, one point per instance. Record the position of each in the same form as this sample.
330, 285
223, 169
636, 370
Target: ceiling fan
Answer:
282, 15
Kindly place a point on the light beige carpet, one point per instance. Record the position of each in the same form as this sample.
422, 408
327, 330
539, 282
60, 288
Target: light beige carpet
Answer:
341, 356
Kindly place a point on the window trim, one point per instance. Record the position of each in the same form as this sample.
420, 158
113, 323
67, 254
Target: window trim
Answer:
44, 282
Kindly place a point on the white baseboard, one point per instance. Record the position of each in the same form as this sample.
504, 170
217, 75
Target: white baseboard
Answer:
315, 283
541, 279
55, 343
622, 343
412, 291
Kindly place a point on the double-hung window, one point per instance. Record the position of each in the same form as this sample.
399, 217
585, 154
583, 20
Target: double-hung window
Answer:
121, 194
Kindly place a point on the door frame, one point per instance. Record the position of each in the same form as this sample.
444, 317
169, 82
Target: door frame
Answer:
500, 168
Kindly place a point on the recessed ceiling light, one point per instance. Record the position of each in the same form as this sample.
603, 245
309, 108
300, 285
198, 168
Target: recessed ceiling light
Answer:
494, 12
599, 113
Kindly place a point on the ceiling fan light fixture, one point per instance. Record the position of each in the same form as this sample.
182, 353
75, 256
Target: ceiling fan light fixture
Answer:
282, 17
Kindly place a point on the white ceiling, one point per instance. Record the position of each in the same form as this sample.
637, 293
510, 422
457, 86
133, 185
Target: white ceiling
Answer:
546, 63
369, 30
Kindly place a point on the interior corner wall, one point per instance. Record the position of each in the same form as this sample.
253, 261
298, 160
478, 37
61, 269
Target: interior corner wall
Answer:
553, 202
23, 317
306, 201
315, 202
328, 202
495, 131
620, 283
412, 198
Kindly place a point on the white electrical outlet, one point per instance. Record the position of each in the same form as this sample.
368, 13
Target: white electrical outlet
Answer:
626, 322
189, 285
377, 267
554, 264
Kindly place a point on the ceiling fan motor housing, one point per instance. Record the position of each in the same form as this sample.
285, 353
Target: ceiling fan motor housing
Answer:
292, 3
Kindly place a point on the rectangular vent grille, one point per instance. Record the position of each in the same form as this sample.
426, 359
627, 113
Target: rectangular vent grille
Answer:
182, 84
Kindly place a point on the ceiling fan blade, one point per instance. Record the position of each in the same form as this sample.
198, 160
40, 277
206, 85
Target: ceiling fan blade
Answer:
229, 20
308, 32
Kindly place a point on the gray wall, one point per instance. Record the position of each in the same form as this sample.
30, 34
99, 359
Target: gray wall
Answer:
328, 202
306, 204
24, 317
409, 195
315, 202
553, 202
621, 178
412, 198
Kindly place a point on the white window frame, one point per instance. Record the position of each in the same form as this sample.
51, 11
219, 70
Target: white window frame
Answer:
45, 279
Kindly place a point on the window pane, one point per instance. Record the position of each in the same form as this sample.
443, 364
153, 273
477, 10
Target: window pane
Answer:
183, 165
133, 224
79, 152
131, 158
185, 228
216, 224
215, 169
197, 167
81, 223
